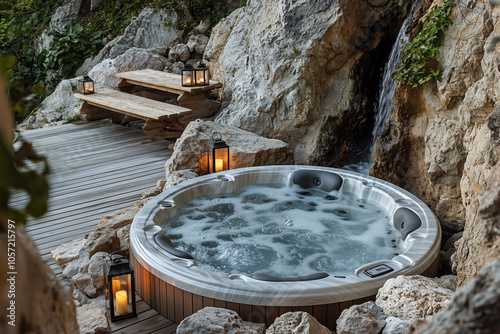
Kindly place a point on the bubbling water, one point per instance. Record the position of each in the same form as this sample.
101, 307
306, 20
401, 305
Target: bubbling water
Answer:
283, 231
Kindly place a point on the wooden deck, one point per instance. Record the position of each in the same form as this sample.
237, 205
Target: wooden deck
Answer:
96, 169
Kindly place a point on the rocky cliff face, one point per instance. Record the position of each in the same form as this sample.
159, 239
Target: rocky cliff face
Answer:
437, 142
305, 72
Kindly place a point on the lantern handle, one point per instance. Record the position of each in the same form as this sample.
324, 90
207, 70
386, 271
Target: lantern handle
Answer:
114, 260
216, 133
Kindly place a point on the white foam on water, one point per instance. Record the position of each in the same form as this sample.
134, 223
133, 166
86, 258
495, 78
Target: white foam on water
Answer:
283, 231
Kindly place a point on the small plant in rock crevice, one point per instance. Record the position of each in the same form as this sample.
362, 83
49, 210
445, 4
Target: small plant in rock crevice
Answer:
414, 67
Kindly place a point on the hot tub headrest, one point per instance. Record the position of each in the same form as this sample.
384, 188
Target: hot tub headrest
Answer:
326, 181
406, 221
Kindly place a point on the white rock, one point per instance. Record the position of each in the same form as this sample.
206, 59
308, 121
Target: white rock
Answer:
92, 319
80, 265
153, 28
197, 43
213, 320
203, 27
297, 323
447, 281
84, 284
103, 239
120, 218
412, 297
124, 236
103, 74
68, 251
180, 52
287, 71
394, 325
59, 105
364, 318
177, 176
95, 269
246, 149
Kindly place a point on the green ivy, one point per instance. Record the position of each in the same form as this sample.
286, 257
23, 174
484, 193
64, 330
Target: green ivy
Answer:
413, 68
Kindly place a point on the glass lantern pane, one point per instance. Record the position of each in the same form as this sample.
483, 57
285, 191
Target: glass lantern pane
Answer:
187, 78
221, 162
121, 287
89, 87
80, 87
200, 77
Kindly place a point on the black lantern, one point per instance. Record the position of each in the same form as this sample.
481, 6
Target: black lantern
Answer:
201, 74
218, 154
86, 85
119, 287
187, 75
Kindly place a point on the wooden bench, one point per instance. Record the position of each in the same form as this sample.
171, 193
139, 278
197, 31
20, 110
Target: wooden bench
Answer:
169, 85
163, 120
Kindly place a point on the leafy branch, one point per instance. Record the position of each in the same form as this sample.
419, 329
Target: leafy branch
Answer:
413, 68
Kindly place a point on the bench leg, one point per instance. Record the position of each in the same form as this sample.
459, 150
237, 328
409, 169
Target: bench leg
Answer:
93, 113
157, 130
200, 105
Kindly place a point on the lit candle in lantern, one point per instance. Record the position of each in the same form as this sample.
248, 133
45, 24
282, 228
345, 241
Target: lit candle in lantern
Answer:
116, 284
89, 87
188, 81
121, 302
219, 165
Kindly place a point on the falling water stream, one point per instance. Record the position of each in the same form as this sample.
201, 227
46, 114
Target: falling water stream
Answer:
386, 94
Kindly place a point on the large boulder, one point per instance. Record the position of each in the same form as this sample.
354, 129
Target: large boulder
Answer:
436, 142
103, 74
246, 149
152, 29
303, 72
364, 318
213, 320
96, 271
412, 297
58, 106
297, 323
69, 251
474, 307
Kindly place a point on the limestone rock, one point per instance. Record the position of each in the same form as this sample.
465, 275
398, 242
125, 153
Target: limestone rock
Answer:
153, 28
474, 307
92, 319
60, 105
364, 318
180, 52
120, 218
290, 71
96, 271
177, 176
394, 325
68, 251
103, 239
449, 249
124, 236
103, 74
297, 323
84, 283
412, 297
59, 22
80, 265
215, 320
197, 43
447, 281
203, 27
246, 149
437, 142
42, 303
175, 67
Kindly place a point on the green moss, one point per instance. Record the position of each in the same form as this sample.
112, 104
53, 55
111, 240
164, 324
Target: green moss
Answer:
414, 67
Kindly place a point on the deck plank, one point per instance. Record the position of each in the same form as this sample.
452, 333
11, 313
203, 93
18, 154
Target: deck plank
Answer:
97, 168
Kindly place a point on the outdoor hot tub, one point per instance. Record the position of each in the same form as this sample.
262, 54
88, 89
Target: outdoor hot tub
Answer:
174, 277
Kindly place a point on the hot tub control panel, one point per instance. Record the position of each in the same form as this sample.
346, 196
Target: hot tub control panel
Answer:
378, 270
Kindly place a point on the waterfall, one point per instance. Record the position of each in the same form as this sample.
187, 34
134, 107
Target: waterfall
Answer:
386, 94
388, 85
